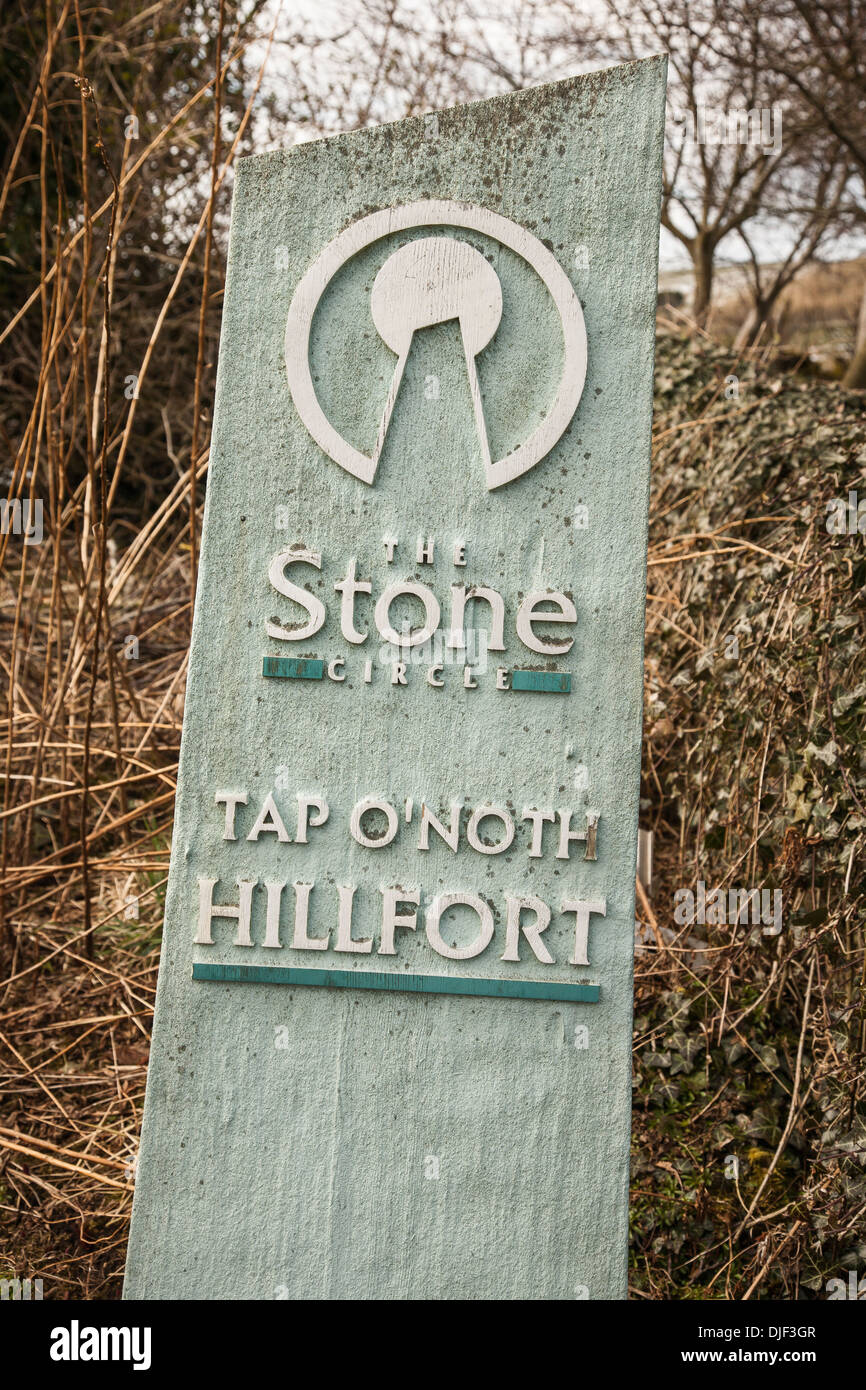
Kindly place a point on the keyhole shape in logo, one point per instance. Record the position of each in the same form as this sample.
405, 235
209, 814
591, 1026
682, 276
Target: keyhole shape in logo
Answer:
426, 282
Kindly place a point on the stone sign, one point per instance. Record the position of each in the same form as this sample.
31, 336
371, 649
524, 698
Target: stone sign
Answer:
392, 1041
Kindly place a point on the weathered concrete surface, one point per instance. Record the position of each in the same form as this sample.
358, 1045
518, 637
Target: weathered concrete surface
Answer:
298, 1171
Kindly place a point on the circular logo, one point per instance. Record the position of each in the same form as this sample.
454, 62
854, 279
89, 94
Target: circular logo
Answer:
428, 281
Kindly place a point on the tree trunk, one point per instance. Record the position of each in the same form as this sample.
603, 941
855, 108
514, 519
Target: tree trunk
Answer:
750, 327
702, 262
756, 318
856, 373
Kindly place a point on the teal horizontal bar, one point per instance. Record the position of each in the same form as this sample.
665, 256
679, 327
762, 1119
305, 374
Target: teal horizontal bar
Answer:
378, 979
549, 682
291, 668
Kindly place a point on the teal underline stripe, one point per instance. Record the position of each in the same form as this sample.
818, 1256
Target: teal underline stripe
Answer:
378, 979
545, 682
293, 668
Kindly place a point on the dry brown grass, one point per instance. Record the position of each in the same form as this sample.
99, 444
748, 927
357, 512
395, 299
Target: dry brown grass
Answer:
94, 620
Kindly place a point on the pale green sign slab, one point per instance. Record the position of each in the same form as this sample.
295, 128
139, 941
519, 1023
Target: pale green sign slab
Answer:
392, 1040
